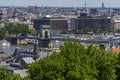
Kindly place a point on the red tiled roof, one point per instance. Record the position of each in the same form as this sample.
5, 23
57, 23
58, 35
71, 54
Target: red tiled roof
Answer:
116, 50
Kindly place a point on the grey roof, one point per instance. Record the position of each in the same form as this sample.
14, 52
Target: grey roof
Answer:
43, 54
28, 60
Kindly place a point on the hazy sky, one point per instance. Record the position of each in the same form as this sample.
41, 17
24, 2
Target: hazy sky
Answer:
68, 3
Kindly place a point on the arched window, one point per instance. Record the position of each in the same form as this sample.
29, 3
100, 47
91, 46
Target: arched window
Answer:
46, 34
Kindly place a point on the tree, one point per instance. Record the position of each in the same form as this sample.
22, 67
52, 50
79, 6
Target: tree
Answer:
2, 33
33, 31
14, 77
75, 62
3, 74
105, 62
118, 67
17, 28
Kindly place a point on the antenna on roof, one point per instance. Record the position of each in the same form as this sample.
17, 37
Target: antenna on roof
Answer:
85, 4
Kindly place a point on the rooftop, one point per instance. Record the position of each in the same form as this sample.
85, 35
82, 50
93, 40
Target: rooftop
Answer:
28, 60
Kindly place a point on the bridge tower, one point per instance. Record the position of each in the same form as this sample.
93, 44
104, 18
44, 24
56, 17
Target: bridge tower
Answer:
44, 34
45, 31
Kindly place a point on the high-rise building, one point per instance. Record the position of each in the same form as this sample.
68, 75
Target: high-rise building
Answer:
103, 5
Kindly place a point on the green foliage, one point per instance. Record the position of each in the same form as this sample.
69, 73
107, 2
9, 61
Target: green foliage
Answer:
89, 30
2, 33
3, 74
75, 62
118, 67
93, 30
26, 78
105, 62
33, 31
14, 77
17, 28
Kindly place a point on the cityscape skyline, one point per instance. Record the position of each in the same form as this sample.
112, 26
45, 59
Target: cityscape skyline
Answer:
61, 3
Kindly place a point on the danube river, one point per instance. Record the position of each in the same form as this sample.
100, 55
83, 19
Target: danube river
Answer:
10, 50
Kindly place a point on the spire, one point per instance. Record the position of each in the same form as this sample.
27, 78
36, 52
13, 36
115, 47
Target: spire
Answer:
35, 46
85, 4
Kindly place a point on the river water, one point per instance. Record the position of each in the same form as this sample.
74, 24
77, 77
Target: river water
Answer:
10, 50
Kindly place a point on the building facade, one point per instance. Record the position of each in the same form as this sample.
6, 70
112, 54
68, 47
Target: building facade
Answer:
116, 22
91, 22
55, 24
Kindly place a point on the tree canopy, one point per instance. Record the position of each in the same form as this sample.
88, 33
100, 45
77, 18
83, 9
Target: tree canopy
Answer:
17, 28
2, 33
75, 62
4, 75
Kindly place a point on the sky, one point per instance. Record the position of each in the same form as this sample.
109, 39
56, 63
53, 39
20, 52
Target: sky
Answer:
61, 3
